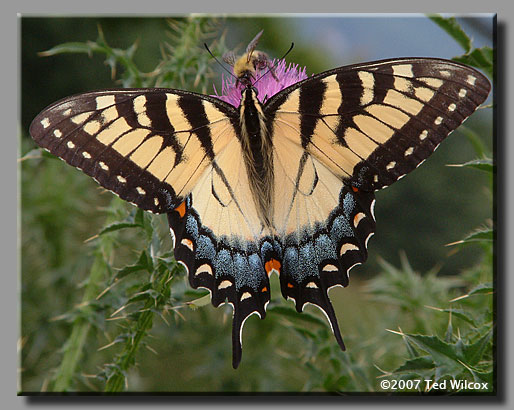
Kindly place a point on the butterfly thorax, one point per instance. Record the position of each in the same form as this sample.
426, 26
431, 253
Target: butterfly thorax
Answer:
258, 154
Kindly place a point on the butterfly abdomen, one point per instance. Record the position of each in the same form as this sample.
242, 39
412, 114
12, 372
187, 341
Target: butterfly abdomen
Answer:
258, 155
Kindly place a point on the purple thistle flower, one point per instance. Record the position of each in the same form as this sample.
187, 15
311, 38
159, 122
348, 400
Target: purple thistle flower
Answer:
267, 86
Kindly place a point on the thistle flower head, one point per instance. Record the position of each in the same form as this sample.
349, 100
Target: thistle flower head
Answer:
266, 85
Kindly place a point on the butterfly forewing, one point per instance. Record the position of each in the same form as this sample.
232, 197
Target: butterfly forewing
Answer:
373, 123
144, 145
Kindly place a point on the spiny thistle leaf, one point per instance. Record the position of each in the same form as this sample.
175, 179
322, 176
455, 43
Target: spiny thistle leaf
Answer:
459, 313
485, 164
483, 235
116, 226
416, 366
202, 301
483, 288
474, 353
444, 355
144, 263
192, 64
131, 77
72, 47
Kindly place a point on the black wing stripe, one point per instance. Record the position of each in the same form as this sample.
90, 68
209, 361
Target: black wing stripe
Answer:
125, 107
155, 109
310, 102
194, 111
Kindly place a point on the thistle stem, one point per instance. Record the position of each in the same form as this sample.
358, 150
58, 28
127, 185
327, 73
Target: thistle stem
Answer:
73, 348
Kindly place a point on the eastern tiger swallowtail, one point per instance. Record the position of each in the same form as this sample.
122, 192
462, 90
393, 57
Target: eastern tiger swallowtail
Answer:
284, 186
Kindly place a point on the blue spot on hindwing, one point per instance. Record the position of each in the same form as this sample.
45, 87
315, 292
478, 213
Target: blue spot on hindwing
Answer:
242, 267
223, 264
266, 249
325, 248
348, 204
205, 248
255, 264
309, 260
340, 229
192, 226
291, 261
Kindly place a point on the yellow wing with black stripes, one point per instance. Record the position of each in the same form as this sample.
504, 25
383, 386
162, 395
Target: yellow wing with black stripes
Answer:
339, 136
323, 146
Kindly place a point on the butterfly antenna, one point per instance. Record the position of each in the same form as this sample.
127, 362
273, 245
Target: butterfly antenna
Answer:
219, 62
276, 63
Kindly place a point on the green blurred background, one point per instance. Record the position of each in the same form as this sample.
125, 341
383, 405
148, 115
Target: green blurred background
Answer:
61, 207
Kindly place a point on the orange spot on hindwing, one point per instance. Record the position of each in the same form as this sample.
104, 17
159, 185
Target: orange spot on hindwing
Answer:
272, 265
181, 209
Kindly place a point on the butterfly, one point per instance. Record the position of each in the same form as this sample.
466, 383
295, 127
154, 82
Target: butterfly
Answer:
284, 185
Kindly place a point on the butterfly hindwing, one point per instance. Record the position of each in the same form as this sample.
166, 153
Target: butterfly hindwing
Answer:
320, 257
231, 270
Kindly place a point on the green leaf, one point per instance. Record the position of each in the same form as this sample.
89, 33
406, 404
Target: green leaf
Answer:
453, 28
411, 349
485, 377
482, 58
144, 263
449, 330
481, 236
139, 217
117, 226
473, 353
484, 235
485, 164
416, 365
202, 301
444, 355
144, 295
127, 270
71, 47
483, 288
461, 314
305, 333
35, 153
